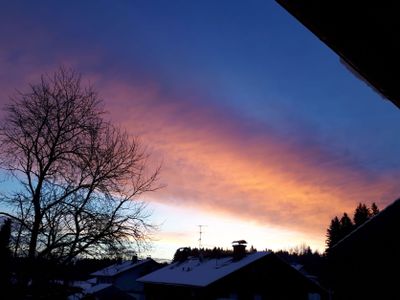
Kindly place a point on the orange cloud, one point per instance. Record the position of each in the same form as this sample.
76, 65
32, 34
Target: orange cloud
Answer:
217, 161
213, 161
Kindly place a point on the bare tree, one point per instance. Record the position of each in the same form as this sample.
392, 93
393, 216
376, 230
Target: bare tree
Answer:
80, 176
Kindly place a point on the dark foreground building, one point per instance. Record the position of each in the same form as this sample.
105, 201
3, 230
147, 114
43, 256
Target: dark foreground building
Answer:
366, 263
117, 281
363, 33
257, 275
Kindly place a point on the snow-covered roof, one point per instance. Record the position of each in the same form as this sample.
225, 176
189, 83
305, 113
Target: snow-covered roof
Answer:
88, 289
92, 281
84, 285
120, 267
97, 288
197, 272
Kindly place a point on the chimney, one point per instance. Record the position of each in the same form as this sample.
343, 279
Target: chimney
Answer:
134, 259
239, 249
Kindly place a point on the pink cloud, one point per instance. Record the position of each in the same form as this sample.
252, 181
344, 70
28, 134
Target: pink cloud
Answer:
212, 162
215, 160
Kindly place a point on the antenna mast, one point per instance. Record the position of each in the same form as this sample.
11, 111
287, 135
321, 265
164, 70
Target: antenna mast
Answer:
200, 233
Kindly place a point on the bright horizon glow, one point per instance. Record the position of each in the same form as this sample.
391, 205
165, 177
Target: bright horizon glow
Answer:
180, 229
262, 133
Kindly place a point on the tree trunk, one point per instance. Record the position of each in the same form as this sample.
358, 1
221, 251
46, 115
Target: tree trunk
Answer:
36, 222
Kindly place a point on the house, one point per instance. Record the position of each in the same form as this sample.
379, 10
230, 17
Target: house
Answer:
364, 264
102, 291
118, 281
123, 275
256, 275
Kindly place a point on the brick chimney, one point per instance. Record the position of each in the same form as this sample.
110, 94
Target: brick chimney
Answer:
239, 249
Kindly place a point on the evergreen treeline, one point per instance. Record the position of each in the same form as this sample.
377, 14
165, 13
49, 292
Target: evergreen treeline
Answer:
339, 228
217, 252
182, 253
311, 261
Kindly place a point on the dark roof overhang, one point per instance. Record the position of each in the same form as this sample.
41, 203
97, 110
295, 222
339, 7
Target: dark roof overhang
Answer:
364, 34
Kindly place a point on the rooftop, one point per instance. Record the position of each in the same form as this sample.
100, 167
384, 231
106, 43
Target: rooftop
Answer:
200, 272
120, 267
363, 34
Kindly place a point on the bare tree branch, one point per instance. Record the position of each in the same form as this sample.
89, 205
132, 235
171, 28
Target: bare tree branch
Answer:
80, 176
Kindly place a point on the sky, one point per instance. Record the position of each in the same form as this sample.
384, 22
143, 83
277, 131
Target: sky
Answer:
262, 133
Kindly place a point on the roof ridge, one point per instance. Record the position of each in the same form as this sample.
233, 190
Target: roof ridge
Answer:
366, 222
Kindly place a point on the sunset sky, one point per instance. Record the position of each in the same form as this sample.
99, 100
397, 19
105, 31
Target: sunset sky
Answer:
262, 133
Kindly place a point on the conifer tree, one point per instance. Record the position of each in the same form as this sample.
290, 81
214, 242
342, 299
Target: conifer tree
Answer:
333, 233
361, 214
346, 225
374, 209
338, 229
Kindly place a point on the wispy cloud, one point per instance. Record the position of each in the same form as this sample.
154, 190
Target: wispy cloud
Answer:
220, 162
214, 158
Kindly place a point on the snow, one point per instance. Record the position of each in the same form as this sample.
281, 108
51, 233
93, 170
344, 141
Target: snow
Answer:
88, 289
97, 288
92, 281
119, 267
84, 285
200, 273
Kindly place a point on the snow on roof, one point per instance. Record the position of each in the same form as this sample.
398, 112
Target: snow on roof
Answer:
97, 288
120, 267
84, 285
89, 289
92, 281
194, 272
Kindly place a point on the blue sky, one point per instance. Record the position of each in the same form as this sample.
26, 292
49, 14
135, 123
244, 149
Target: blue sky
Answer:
256, 120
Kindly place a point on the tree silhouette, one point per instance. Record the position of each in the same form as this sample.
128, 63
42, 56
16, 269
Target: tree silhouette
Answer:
80, 176
181, 254
5, 255
338, 229
333, 233
361, 214
346, 225
5, 234
374, 209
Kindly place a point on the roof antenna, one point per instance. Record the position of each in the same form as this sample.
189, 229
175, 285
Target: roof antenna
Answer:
200, 233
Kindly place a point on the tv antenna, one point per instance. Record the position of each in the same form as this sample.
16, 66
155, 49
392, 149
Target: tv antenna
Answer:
200, 233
